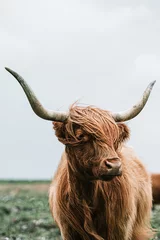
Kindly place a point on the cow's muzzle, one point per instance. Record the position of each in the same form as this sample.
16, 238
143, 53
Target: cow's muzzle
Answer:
110, 168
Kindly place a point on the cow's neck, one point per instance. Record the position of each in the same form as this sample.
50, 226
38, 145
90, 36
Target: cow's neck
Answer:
80, 187
84, 200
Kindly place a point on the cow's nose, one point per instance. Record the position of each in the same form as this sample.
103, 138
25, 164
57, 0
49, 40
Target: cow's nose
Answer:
113, 166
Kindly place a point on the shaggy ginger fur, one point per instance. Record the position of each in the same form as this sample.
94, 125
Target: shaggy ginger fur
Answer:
85, 207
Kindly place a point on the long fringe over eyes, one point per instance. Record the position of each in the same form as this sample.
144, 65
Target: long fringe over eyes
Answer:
95, 122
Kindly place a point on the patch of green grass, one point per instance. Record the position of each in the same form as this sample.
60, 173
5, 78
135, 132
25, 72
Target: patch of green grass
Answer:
156, 220
25, 215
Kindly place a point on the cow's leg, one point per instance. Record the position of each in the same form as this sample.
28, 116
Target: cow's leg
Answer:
142, 229
141, 236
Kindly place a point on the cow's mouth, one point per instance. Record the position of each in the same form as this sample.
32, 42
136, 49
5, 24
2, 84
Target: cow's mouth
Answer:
109, 177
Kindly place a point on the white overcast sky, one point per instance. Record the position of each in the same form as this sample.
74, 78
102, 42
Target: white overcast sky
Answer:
101, 52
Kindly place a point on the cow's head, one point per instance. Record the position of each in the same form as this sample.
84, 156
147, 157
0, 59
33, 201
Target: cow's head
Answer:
92, 139
92, 136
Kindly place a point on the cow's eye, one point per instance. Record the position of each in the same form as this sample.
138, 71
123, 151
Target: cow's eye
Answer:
81, 136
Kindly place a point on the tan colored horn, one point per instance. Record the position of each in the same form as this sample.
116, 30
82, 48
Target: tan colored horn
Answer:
35, 104
136, 109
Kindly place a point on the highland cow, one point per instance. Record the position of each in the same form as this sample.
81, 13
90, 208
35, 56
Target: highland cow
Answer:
101, 190
155, 178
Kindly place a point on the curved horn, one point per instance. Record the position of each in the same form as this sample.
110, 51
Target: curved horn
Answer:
136, 109
35, 104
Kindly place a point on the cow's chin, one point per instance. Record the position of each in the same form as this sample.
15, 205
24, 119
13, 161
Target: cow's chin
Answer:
107, 177
103, 177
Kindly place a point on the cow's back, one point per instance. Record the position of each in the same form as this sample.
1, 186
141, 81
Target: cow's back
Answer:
156, 187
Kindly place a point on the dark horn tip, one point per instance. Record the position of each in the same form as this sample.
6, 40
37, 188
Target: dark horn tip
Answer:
13, 73
8, 69
152, 83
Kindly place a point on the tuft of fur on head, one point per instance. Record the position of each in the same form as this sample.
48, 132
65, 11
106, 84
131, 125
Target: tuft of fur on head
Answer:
93, 122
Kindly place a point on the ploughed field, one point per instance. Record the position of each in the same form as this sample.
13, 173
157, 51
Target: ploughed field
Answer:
25, 215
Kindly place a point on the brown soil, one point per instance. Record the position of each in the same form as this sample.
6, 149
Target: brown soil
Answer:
38, 187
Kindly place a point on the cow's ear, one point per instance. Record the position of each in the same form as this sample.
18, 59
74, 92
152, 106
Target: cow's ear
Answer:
124, 132
59, 128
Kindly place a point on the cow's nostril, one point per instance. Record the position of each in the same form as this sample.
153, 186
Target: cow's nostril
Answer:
108, 165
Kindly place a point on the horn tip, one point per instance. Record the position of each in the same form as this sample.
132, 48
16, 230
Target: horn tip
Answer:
152, 83
12, 72
8, 69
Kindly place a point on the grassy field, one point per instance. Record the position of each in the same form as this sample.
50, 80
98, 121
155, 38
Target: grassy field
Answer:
25, 215
24, 212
